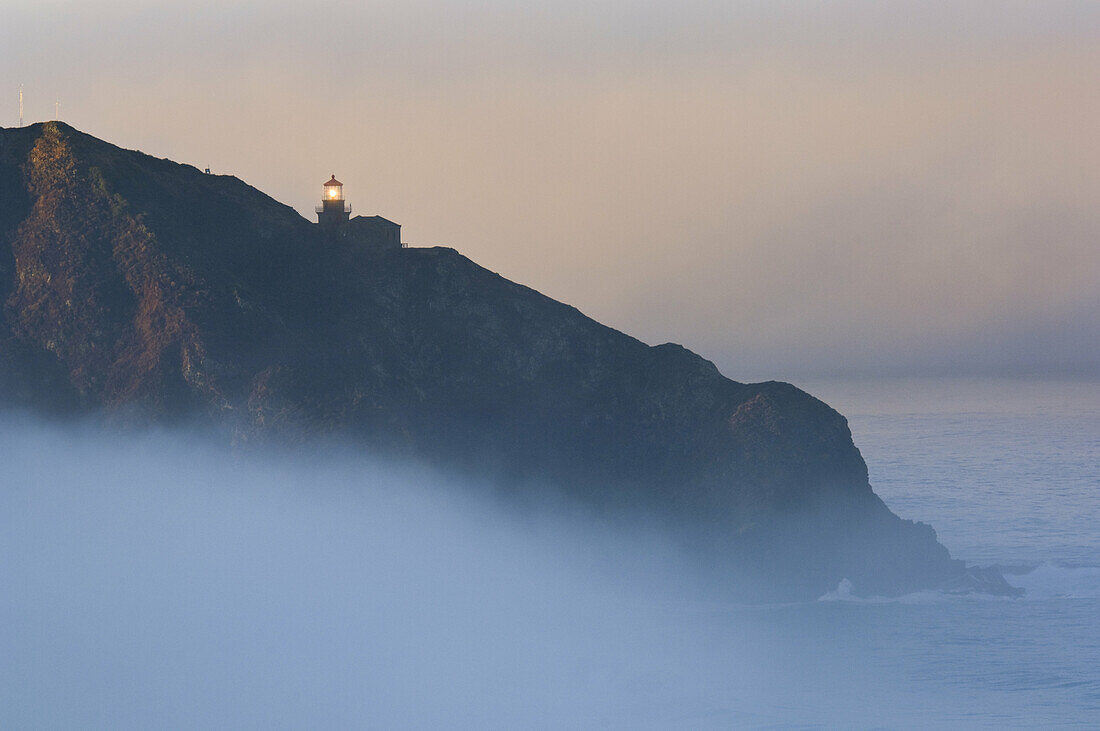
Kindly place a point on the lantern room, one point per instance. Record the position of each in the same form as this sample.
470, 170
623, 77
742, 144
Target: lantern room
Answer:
333, 190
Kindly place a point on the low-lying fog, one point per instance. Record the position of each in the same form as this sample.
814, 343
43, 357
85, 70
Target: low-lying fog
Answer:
158, 581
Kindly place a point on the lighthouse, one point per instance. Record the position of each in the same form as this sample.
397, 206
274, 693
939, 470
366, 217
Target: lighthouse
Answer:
333, 212
367, 232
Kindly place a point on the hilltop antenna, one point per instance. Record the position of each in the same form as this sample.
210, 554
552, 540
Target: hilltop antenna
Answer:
56, 109
20, 105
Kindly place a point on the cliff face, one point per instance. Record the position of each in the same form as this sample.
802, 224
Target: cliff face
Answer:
151, 291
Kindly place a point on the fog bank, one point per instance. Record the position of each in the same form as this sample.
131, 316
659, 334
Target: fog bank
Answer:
160, 582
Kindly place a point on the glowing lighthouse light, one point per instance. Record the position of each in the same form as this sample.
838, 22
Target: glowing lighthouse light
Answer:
334, 190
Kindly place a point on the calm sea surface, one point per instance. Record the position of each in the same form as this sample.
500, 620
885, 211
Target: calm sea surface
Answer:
1008, 472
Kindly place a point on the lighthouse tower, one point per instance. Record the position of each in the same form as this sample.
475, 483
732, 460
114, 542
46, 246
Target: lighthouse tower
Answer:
369, 233
333, 212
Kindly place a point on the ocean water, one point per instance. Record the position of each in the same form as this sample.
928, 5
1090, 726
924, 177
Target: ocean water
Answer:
1008, 472
160, 582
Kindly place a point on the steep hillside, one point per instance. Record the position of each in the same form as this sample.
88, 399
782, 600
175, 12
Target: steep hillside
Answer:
149, 291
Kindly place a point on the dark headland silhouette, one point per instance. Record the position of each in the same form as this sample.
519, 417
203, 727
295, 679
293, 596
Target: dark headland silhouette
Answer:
150, 292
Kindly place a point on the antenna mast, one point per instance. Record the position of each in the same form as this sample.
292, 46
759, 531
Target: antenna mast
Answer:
56, 109
20, 105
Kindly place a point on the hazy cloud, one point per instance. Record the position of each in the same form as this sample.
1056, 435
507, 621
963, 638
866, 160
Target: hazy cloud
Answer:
786, 188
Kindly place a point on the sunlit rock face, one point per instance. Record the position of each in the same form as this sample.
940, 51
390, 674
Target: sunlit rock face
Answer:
150, 292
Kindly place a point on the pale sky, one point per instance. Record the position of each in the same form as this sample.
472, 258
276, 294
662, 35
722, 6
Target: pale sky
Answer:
787, 188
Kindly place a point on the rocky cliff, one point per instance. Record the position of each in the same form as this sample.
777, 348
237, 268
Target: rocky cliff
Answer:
149, 291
